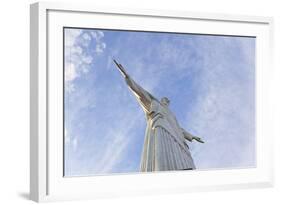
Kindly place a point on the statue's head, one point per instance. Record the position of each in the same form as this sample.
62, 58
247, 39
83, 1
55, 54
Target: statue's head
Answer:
165, 101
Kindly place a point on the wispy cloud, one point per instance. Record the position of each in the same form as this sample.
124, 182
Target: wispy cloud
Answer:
115, 149
224, 112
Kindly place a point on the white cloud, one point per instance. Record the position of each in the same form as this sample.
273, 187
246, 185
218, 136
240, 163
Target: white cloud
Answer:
70, 140
71, 36
86, 59
97, 35
75, 143
86, 36
100, 47
66, 136
70, 72
80, 47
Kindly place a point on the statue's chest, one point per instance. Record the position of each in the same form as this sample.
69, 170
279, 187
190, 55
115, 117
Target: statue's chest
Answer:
168, 115
162, 113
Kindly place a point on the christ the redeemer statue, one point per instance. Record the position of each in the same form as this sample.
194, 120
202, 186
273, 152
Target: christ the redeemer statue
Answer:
165, 146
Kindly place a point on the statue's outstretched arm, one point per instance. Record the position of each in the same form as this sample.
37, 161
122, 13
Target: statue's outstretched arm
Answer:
143, 96
191, 137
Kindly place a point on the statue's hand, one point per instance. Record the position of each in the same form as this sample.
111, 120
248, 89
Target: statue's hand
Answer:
121, 69
198, 139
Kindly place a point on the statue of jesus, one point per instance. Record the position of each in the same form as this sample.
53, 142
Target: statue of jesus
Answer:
165, 146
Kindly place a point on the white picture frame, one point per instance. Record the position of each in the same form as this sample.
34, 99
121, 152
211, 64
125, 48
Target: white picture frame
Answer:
46, 132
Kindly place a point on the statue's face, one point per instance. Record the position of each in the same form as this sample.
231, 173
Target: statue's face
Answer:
165, 101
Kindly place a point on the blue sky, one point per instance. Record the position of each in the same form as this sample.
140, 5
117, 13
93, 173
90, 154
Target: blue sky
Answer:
210, 81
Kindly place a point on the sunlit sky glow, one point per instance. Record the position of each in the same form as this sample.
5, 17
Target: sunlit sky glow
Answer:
210, 81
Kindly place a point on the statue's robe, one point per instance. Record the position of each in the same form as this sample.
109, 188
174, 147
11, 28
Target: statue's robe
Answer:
165, 145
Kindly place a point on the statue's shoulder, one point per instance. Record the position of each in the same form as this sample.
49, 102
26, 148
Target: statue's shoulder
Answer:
155, 103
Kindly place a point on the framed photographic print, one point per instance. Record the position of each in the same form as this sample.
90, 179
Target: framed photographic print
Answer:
127, 102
